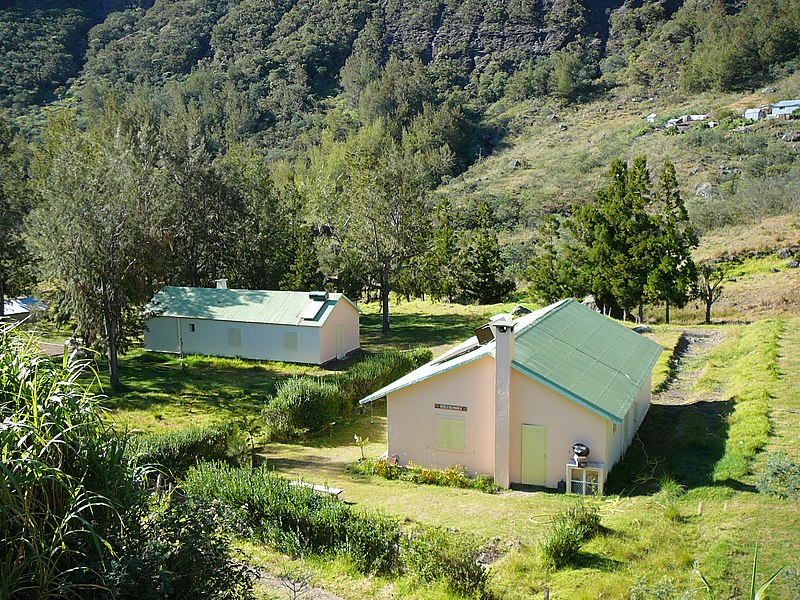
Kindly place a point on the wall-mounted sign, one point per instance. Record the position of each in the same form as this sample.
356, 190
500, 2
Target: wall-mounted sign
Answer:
451, 407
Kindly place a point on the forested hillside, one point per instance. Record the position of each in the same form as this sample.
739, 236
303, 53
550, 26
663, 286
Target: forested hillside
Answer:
368, 145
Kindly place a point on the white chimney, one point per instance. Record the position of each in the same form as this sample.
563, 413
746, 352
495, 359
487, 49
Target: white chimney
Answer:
503, 355
222, 284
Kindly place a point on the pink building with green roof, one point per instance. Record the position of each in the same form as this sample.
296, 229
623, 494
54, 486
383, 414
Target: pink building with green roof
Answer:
513, 406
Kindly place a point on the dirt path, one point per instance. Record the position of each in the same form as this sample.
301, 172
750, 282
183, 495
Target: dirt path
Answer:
688, 362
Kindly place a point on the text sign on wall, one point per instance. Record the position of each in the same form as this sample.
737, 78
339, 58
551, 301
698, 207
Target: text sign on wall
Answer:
451, 407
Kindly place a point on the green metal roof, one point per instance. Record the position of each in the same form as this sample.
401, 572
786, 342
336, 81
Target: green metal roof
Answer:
569, 348
587, 357
247, 306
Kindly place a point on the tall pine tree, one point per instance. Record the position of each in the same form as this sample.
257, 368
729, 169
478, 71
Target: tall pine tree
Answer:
673, 274
483, 277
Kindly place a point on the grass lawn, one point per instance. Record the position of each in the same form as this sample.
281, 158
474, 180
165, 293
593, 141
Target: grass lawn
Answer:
162, 392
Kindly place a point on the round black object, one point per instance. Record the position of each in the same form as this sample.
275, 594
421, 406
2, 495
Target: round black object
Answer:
581, 450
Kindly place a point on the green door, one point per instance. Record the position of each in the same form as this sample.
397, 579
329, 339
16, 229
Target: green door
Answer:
534, 454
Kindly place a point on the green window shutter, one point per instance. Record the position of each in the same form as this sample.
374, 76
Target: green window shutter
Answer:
290, 340
451, 434
458, 440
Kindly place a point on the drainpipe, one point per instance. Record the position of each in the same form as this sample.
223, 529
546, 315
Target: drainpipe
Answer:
503, 355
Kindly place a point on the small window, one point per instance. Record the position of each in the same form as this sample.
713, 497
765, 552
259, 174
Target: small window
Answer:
191, 327
290, 340
234, 337
451, 434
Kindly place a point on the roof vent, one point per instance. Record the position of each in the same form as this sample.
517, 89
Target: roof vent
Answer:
318, 296
222, 284
484, 334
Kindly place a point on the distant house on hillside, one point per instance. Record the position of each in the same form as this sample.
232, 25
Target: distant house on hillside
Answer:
784, 109
755, 114
299, 327
686, 122
515, 399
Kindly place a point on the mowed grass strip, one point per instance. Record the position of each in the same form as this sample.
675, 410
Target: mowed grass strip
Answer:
664, 369
784, 411
745, 367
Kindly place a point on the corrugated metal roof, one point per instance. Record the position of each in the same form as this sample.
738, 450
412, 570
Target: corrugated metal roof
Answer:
247, 306
571, 349
592, 359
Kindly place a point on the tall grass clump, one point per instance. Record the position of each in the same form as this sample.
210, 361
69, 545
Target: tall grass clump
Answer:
437, 554
174, 452
68, 493
567, 533
668, 498
294, 519
62, 477
745, 366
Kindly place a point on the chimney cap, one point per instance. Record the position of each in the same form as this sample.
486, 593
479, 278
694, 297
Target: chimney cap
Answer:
222, 284
502, 325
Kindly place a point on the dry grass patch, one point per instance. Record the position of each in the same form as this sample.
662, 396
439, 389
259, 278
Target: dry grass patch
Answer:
768, 235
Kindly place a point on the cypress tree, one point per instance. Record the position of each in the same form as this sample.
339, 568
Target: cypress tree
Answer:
483, 278
674, 273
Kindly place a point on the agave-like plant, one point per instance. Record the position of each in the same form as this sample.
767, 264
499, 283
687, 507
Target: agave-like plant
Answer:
755, 593
62, 473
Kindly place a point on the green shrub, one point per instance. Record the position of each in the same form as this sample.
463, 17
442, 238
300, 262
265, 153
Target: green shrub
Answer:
175, 452
308, 404
452, 476
304, 404
780, 476
567, 533
175, 549
380, 370
452, 557
296, 520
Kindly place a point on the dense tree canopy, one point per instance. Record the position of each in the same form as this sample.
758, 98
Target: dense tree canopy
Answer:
370, 194
631, 246
14, 205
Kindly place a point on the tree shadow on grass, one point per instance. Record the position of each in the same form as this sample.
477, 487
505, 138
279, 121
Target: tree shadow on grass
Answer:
682, 442
153, 382
322, 468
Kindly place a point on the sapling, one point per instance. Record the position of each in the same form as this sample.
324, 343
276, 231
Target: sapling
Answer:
361, 443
